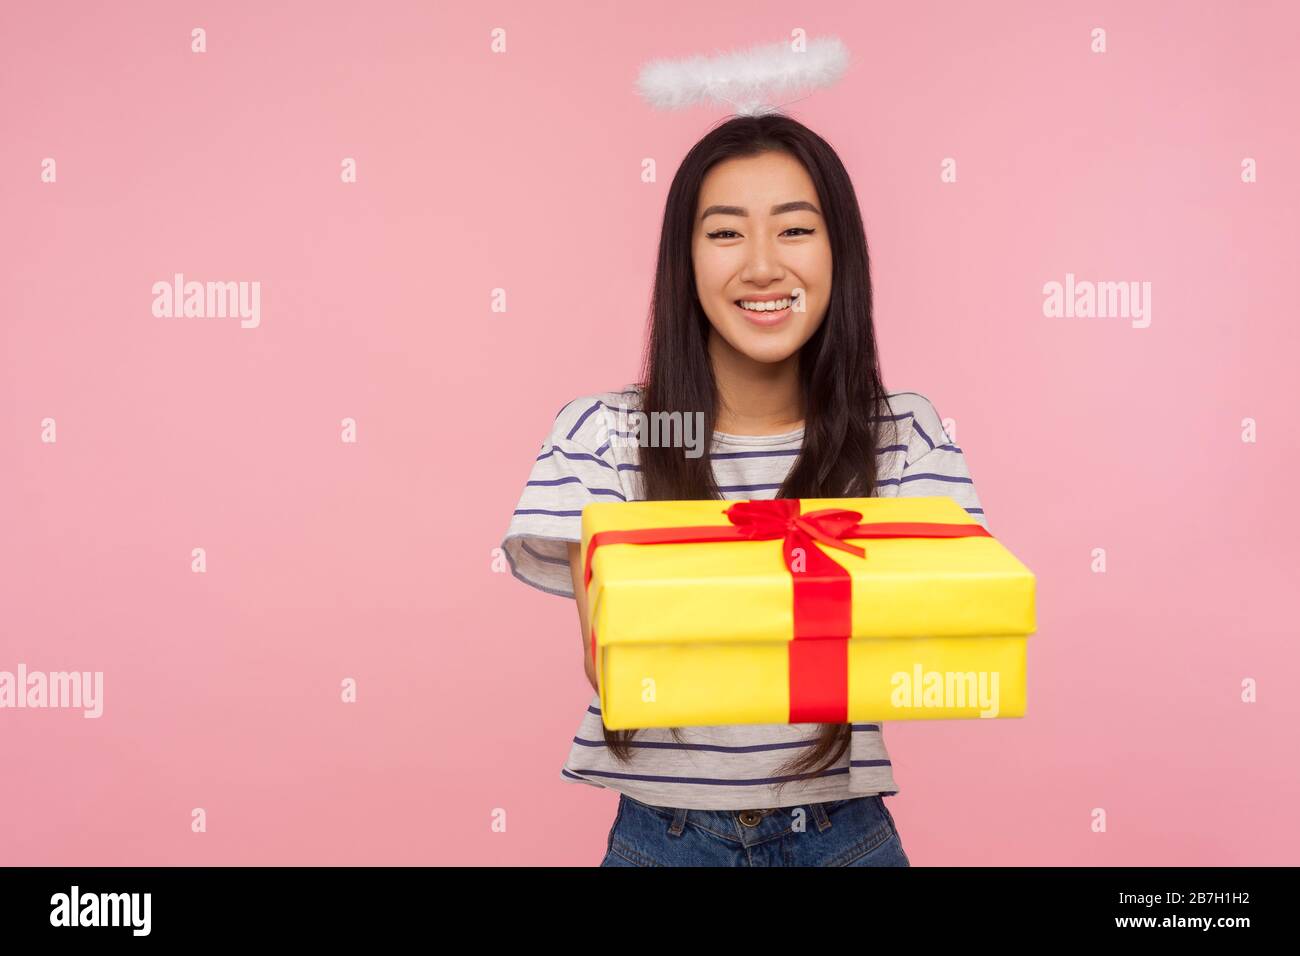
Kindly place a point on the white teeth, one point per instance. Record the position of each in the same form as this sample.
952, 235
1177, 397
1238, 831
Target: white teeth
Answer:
775, 305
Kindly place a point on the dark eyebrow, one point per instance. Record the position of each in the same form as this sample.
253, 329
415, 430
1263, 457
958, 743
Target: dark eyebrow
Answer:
777, 210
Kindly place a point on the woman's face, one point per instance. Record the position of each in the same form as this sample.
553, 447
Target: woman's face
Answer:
760, 236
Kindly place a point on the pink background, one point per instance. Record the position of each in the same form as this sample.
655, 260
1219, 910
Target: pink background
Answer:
521, 171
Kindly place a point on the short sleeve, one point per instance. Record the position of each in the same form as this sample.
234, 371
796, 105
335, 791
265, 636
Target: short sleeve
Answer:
936, 465
573, 469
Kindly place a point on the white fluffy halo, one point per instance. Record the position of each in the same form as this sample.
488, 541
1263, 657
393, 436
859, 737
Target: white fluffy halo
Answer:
746, 80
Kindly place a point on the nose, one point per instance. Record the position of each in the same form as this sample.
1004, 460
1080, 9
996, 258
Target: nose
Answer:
762, 263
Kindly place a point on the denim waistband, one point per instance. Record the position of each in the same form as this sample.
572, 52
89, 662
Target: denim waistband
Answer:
748, 826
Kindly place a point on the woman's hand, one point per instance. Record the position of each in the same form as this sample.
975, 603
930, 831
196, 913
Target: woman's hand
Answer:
580, 594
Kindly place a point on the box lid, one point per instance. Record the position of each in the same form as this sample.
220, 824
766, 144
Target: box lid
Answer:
743, 591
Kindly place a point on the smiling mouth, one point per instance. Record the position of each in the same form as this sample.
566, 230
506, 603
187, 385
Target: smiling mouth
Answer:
767, 317
773, 307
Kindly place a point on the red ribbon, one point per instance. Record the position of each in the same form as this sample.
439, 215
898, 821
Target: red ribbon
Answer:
823, 589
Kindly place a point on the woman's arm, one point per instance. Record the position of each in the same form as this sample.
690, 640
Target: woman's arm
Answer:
580, 594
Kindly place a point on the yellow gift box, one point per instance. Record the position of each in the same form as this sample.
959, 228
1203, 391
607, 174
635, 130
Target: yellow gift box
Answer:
802, 610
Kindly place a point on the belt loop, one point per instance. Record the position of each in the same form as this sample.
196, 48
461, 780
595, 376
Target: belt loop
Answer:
679, 821
819, 815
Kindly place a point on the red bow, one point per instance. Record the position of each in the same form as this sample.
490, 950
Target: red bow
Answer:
781, 518
823, 589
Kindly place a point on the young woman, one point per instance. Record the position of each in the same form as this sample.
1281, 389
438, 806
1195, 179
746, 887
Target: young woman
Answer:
762, 322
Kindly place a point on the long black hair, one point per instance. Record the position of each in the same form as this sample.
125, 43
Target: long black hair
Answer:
839, 371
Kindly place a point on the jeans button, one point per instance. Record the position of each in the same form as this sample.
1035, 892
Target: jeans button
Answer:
750, 818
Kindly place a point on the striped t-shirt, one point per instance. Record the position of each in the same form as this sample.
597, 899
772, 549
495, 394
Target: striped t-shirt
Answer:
714, 767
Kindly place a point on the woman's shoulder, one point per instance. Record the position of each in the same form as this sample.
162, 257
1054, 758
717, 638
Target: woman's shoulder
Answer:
915, 404
589, 419
916, 417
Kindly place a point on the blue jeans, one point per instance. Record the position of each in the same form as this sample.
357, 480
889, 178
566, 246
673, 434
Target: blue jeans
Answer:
855, 832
